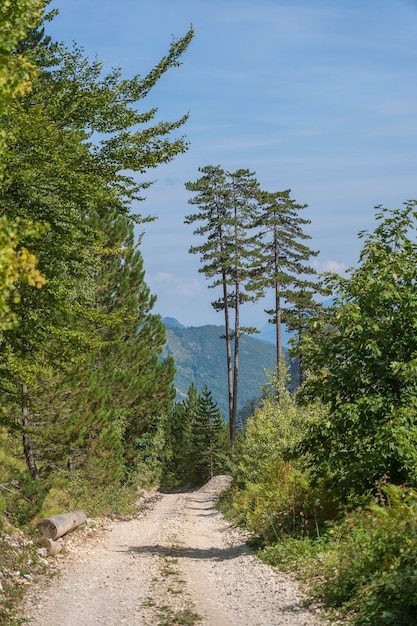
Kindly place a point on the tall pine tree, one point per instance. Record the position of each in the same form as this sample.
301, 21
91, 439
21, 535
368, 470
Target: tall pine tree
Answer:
285, 256
207, 454
196, 447
227, 207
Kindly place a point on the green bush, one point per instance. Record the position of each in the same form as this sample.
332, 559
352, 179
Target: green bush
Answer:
275, 496
299, 555
363, 569
75, 491
370, 570
285, 503
23, 499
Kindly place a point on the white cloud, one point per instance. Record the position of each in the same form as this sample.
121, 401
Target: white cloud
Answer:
170, 285
162, 277
330, 266
189, 288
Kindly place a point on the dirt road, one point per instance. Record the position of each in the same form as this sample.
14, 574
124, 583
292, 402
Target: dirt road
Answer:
181, 563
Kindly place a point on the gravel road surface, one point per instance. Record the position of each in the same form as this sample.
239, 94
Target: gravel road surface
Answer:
179, 563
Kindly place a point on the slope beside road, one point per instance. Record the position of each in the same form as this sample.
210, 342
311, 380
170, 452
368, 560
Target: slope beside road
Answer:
180, 563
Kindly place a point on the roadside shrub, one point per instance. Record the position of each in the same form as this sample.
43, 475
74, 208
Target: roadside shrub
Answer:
114, 498
72, 490
370, 570
300, 555
285, 503
274, 495
23, 499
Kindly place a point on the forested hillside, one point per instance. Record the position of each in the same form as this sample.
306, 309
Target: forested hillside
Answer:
199, 355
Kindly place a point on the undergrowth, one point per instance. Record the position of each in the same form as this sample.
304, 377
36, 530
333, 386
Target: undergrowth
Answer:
19, 564
362, 567
23, 504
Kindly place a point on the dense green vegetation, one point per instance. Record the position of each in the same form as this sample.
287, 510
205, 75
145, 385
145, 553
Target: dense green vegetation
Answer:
196, 446
324, 478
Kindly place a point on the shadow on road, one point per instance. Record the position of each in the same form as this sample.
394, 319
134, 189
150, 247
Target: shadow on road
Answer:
212, 554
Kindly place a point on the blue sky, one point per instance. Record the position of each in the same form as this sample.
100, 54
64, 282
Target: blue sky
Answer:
319, 96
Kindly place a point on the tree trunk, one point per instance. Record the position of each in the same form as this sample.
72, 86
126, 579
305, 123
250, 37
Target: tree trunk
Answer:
52, 546
278, 326
229, 359
236, 362
58, 525
27, 446
300, 363
277, 300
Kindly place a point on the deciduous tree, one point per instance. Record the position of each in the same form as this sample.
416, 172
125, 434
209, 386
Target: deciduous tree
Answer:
361, 358
77, 144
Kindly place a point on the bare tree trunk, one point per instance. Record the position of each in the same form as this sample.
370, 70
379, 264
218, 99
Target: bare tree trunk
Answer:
211, 458
300, 363
277, 301
27, 446
278, 326
229, 360
236, 362
59, 525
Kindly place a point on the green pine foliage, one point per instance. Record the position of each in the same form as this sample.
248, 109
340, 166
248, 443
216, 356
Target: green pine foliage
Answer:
227, 203
177, 434
207, 456
253, 242
284, 261
84, 385
196, 445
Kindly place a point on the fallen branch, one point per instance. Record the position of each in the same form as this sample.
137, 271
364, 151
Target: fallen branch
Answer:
13, 491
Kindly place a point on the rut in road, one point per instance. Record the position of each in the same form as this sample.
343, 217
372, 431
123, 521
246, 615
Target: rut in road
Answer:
182, 563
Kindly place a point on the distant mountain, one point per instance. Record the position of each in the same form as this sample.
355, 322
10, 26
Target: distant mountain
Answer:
171, 321
200, 358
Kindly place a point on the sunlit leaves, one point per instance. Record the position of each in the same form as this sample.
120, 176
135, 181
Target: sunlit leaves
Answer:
362, 358
16, 264
87, 347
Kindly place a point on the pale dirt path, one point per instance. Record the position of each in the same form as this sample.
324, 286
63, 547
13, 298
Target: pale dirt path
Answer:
180, 560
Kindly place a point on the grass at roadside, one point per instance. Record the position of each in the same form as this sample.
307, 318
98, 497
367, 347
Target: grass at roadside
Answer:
362, 568
20, 510
172, 585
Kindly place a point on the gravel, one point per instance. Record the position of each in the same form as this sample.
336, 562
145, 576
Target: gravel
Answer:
178, 562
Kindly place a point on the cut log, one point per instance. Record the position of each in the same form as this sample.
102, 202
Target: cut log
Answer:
52, 546
58, 525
